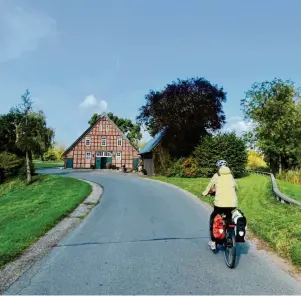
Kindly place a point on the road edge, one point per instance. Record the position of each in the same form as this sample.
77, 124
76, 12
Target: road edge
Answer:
15, 269
252, 239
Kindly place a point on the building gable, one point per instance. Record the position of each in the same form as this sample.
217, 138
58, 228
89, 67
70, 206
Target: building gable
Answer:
98, 130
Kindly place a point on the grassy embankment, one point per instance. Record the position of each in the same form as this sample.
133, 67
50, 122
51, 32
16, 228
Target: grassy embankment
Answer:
276, 223
28, 212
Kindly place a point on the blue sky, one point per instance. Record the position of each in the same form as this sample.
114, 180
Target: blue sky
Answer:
80, 57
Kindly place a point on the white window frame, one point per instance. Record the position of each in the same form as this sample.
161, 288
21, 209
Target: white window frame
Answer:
88, 139
105, 143
118, 155
107, 128
119, 139
103, 154
88, 155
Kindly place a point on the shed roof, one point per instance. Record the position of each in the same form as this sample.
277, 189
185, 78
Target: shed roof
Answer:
153, 143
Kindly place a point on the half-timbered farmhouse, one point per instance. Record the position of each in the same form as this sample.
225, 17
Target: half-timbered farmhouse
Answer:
100, 144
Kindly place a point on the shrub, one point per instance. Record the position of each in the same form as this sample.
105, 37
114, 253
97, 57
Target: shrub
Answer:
113, 167
225, 146
92, 166
10, 165
293, 177
108, 165
187, 168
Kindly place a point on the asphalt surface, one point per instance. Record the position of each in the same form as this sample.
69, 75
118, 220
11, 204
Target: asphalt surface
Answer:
147, 238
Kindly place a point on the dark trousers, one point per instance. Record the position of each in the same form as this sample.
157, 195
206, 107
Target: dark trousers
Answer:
218, 210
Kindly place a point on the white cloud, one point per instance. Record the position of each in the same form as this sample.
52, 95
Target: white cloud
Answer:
238, 125
22, 31
90, 102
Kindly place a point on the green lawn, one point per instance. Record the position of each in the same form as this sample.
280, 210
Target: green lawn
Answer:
277, 223
47, 164
28, 212
289, 189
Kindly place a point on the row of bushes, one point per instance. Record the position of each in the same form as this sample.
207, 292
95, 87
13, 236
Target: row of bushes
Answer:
12, 165
202, 162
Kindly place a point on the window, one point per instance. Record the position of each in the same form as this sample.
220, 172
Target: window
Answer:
118, 155
88, 155
104, 154
119, 141
103, 141
88, 141
107, 128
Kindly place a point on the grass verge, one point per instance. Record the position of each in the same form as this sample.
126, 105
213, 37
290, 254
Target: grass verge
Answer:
47, 164
28, 212
289, 189
276, 223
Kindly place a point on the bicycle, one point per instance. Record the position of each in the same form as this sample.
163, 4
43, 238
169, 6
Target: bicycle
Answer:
229, 242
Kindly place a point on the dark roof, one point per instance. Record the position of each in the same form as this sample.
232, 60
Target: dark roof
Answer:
90, 127
153, 143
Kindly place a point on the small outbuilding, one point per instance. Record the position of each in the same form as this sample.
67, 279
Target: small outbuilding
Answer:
148, 154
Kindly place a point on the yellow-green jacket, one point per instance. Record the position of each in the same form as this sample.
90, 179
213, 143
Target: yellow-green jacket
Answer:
225, 187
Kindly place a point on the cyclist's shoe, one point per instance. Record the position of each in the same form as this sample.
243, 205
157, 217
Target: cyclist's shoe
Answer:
212, 245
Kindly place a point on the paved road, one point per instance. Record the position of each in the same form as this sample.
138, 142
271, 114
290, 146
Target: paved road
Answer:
147, 238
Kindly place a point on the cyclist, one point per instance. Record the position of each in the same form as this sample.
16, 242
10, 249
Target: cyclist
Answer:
225, 195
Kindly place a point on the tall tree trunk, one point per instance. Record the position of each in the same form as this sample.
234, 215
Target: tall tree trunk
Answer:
28, 171
280, 165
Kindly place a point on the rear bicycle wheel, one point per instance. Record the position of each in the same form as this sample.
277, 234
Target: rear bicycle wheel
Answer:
230, 249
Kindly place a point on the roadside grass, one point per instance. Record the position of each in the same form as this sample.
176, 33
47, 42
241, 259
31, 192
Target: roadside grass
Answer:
28, 212
276, 223
289, 189
47, 164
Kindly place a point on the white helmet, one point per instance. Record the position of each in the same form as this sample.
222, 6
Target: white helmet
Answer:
221, 163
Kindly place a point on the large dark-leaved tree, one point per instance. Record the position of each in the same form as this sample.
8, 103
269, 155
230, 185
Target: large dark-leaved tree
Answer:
131, 130
186, 110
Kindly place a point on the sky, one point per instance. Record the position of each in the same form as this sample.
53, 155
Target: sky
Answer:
78, 57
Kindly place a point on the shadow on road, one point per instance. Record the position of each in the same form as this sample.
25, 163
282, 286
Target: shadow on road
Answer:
242, 249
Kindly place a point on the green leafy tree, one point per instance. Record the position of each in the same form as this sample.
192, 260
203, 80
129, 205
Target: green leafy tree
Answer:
186, 110
227, 146
32, 136
274, 107
131, 130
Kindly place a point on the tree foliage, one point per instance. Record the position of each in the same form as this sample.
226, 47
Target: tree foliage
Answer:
186, 109
256, 161
24, 132
54, 154
131, 130
274, 107
226, 146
